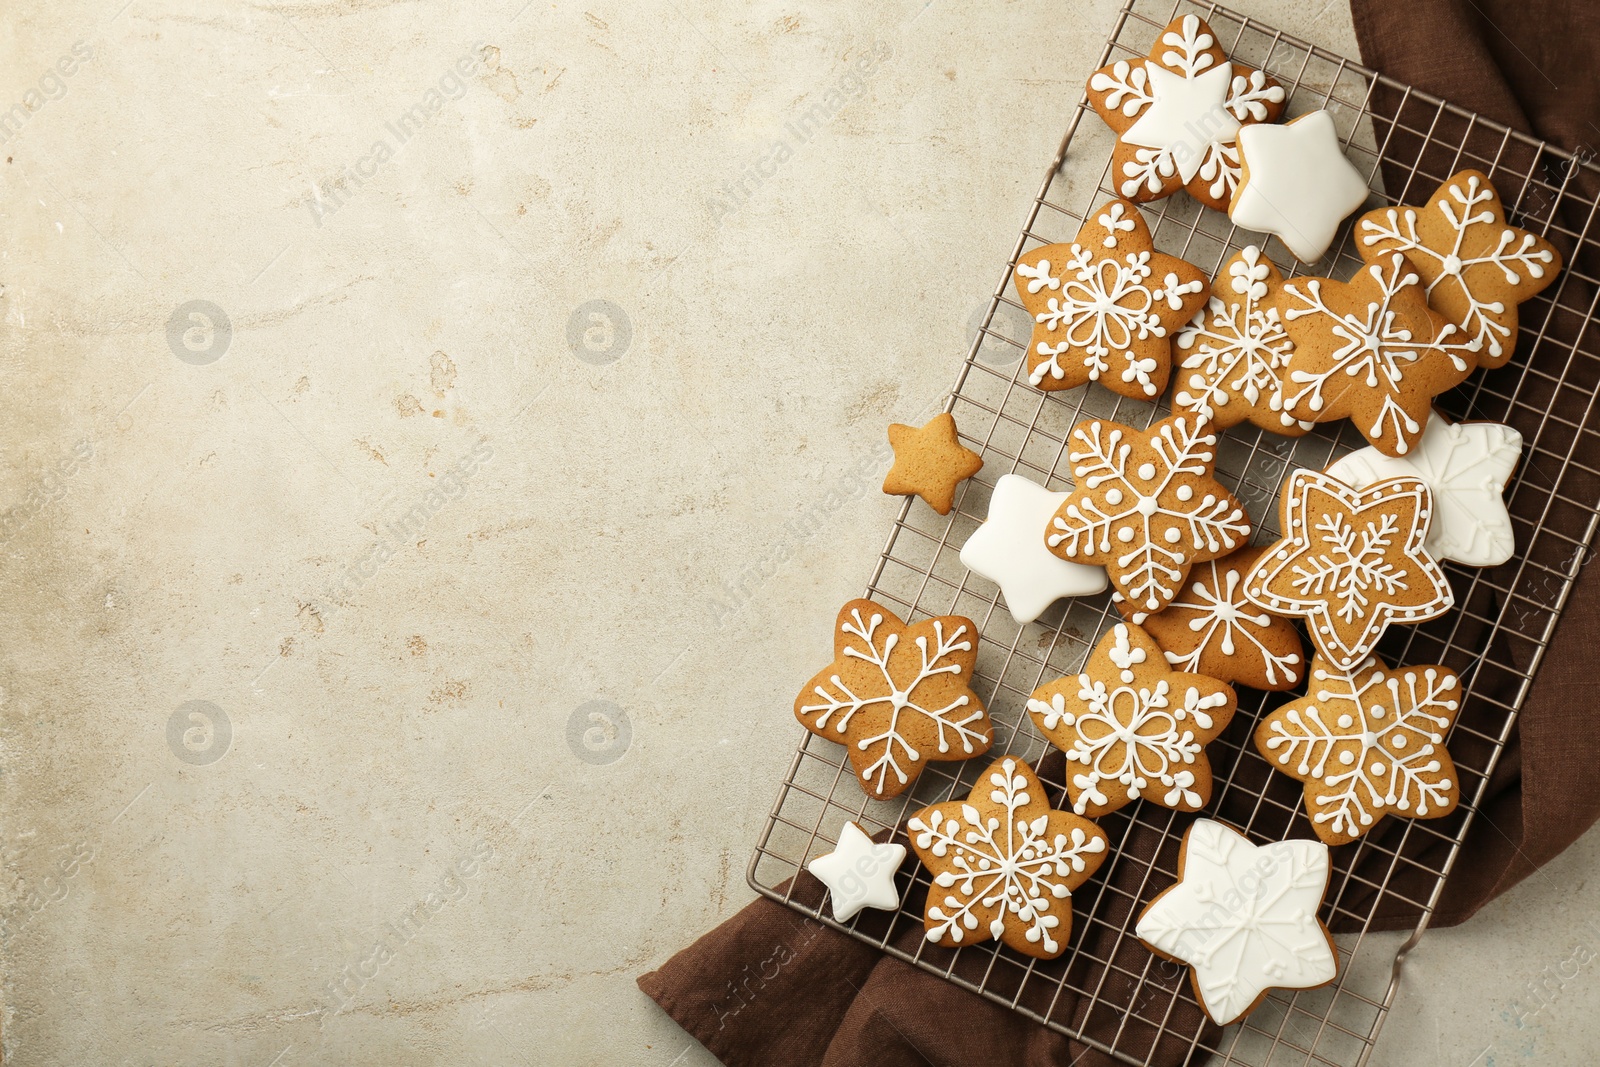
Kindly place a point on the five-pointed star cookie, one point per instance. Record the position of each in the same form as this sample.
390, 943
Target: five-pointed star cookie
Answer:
1466, 467
1105, 306
1351, 561
1177, 113
1297, 184
1477, 268
930, 462
1146, 506
1367, 350
1009, 551
897, 696
1244, 916
1210, 628
859, 873
1005, 863
1234, 353
1133, 727
1367, 742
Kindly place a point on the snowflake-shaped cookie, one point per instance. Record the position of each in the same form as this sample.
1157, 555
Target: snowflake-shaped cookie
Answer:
1235, 350
1466, 467
1351, 562
1177, 114
1005, 863
1133, 727
897, 696
1244, 917
1146, 506
1367, 742
1477, 268
1368, 350
1210, 628
1104, 306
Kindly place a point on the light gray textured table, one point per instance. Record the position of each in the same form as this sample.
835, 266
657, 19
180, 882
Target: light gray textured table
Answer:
308, 616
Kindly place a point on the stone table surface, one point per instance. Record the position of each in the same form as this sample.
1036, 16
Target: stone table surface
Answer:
408, 402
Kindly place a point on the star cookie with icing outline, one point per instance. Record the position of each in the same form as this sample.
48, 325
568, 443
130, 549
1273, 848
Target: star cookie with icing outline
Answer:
1146, 506
1177, 113
1244, 917
1351, 562
930, 461
1004, 863
859, 873
1477, 267
897, 696
1211, 628
1105, 306
1132, 727
1367, 742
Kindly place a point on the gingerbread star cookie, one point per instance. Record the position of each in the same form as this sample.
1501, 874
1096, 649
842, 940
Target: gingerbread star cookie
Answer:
1210, 628
930, 462
1367, 742
897, 696
1234, 353
1367, 350
1133, 727
1351, 561
1297, 184
1146, 506
1177, 115
1005, 863
1476, 267
1105, 306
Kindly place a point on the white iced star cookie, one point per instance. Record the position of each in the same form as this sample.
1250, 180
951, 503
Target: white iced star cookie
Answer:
1297, 184
859, 873
1008, 549
1244, 916
1467, 467
1177, 113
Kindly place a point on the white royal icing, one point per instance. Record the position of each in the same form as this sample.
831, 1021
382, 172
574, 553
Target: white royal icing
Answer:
1373, 736
949, 720
1467, 467
1009, 550
1300, 186
1148, 569
1244, 917
1223, 619
859, 873
1011, 862
1129, 733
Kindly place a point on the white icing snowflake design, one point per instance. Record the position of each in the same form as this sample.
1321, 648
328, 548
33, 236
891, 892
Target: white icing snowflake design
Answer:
1188, 116
1244, 917
1224, 620
1145, 521
1367, 742
1008, 865
1237, 351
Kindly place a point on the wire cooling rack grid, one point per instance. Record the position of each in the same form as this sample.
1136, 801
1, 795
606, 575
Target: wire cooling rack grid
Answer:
1106, 990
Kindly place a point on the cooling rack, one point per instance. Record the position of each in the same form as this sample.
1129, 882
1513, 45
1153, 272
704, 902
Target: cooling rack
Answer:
1106, 991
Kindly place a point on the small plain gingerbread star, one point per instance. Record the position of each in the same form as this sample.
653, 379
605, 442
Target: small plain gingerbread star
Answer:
1477, 268
930, 461
859, 873
1351, 562
1297, 184
1106, 305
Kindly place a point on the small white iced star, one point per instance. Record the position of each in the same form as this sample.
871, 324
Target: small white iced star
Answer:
1009, 550
1298, 185
859, 873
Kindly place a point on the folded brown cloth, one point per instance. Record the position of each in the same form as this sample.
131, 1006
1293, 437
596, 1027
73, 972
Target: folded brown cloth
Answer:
772, 988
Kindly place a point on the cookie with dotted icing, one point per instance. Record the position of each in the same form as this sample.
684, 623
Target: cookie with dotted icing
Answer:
1132, 727
1233, 355
1367, 741
1351, 562
1244, 917
1177, 115
1211, 628
1105, 306
1146, 506
897, 696
1477, 267
1004, 863
930, 461
1368, 350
